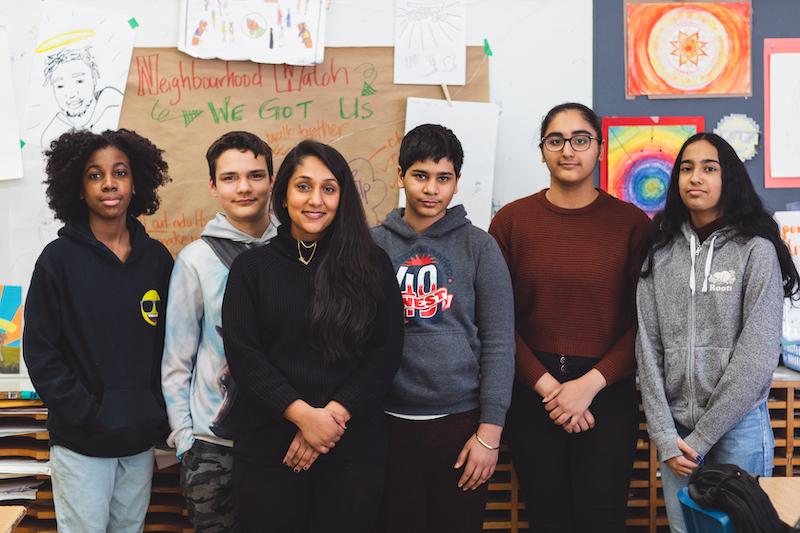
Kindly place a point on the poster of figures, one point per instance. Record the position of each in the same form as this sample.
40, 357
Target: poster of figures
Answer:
10, 328
80, 66
430, 38
639, 154
264, 31
685, 49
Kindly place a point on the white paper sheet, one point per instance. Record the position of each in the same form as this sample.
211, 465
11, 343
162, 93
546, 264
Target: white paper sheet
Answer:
784, 110
79, 70
475, 125
430, 39
10, 150
29, 467
789, 226
21, 429
264, 31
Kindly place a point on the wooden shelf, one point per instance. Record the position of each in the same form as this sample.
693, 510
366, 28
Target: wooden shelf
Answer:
167, 512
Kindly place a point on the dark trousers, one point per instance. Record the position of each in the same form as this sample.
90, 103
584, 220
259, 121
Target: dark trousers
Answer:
422, 493
574, 483
332, 496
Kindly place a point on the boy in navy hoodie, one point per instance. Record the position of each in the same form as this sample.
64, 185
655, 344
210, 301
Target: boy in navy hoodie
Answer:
447, 406
197, 384
94, 329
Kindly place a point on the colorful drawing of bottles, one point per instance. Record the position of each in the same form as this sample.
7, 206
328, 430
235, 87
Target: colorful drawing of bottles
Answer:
304, 34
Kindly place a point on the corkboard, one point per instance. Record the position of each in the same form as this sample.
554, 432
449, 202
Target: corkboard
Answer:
182, 104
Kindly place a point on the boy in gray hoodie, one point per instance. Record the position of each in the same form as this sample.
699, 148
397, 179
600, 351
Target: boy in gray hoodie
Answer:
447, 406
196, 382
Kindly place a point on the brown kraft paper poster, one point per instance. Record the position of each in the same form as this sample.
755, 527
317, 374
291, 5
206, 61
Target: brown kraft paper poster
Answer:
182, 104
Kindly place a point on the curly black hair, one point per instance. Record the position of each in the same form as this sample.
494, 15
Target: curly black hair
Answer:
66, 159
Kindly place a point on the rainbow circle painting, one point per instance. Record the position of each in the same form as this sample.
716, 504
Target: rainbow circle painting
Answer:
638, 155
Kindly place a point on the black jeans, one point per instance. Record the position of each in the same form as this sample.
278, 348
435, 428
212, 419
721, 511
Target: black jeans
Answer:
574, 483
333, 496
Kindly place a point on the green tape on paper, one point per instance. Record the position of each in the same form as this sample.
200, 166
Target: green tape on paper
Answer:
486, 48
134, 24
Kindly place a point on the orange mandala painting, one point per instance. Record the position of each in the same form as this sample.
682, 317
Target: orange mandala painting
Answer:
688, 48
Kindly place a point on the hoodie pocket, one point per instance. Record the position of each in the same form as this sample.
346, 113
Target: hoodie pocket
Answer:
675, 376
709, 364
437, 369
129, 414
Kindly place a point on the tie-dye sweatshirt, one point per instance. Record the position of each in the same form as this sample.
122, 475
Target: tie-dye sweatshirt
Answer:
197, 386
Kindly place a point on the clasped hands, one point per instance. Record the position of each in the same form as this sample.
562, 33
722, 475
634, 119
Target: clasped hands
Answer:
319, 429
568, 403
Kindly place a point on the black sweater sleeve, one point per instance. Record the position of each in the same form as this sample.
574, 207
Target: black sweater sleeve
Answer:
370, 381
42, 337
256, 377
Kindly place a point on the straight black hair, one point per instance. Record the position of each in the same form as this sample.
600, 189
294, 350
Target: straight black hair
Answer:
237, 140
346, 284
430, 141
740, 207
587, 112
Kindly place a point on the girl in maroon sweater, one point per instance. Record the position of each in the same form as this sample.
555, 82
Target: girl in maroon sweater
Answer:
574, 255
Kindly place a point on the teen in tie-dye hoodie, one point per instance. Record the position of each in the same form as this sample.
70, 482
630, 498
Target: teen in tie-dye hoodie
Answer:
198, 389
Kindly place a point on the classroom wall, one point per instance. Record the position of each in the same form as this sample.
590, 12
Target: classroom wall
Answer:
771, 18
524, 81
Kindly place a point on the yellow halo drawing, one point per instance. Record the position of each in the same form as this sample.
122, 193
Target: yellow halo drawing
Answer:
63, 39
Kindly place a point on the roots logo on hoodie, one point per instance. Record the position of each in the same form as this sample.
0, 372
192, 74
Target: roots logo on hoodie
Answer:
424, 280
149, 307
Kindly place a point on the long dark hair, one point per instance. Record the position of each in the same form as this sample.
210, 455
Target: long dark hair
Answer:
739, 205
347, 278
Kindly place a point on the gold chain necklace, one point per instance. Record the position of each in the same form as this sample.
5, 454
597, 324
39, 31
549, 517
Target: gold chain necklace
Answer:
312, 247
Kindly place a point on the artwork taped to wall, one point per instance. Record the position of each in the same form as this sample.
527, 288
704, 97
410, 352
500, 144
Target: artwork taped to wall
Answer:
781, 113
80, 66
638, 156
264, 31
789, 226
10, 328
430, 40
348, 101
741, 132
688, 49
10, 149
476, 183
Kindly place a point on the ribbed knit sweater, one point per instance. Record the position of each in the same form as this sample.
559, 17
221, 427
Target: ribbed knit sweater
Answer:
264, 317
574, 273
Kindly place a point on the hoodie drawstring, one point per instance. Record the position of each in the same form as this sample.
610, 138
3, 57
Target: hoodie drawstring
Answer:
693, 252
708, 263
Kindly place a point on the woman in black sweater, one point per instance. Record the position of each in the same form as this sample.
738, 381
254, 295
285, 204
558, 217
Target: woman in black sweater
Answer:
313, 332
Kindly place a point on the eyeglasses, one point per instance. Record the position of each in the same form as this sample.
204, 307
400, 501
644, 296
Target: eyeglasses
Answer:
579, 143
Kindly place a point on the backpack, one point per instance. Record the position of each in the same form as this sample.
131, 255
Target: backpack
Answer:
735, 492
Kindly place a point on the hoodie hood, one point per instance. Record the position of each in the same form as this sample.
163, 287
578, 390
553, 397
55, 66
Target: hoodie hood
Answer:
81, 232
220, 227
454, 218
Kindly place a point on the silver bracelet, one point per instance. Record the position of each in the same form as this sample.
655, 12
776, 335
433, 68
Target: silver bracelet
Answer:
486, 444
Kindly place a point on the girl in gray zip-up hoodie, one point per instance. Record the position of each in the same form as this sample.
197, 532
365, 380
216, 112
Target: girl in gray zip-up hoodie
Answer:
710, 305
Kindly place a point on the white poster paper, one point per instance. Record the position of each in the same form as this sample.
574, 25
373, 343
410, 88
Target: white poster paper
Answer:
10, 150
475, 125
79, 70
430, 39
789, 226
264, 31
784, 115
